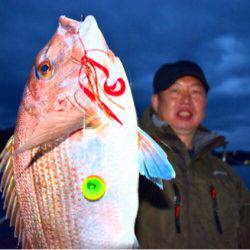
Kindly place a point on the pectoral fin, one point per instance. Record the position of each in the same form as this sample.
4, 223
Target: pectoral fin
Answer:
154, 163
57, 125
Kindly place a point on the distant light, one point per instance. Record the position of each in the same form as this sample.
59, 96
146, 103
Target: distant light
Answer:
246, 162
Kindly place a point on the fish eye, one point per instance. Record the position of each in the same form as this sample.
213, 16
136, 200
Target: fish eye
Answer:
45, 69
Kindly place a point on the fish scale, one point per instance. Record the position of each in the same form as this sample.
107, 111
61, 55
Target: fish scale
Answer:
47, 196
42, 189
67, 181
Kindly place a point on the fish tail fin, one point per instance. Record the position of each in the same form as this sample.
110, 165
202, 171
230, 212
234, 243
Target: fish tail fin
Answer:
7, 186
154, 163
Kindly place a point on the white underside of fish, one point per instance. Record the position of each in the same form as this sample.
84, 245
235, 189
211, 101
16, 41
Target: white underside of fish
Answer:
59, 214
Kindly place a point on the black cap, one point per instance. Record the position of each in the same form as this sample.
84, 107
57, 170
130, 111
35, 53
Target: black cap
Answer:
170, 72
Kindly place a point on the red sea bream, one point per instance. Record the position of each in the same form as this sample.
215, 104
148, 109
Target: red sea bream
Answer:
71, 168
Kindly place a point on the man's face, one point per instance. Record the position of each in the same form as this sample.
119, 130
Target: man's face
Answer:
182, 105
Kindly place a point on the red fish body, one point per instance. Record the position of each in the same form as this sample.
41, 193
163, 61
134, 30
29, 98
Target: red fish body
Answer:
76, 122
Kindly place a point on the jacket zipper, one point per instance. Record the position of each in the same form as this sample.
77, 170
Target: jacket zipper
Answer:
177, 208
215, 209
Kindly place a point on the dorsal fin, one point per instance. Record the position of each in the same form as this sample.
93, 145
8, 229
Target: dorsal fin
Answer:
7, 186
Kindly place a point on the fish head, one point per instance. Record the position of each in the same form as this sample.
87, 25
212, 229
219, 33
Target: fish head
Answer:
53, 78
75, 79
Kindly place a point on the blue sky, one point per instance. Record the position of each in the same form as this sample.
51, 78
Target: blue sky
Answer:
144, 34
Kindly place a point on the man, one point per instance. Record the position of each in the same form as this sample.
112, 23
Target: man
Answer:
206, 205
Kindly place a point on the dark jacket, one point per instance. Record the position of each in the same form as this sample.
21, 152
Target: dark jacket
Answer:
205, 206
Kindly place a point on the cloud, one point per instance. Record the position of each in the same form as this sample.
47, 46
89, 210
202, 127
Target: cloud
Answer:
232, 53
238, 138
228, 114
234, 86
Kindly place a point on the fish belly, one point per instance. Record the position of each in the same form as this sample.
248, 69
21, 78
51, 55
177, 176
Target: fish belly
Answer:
110, 221
55, 213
